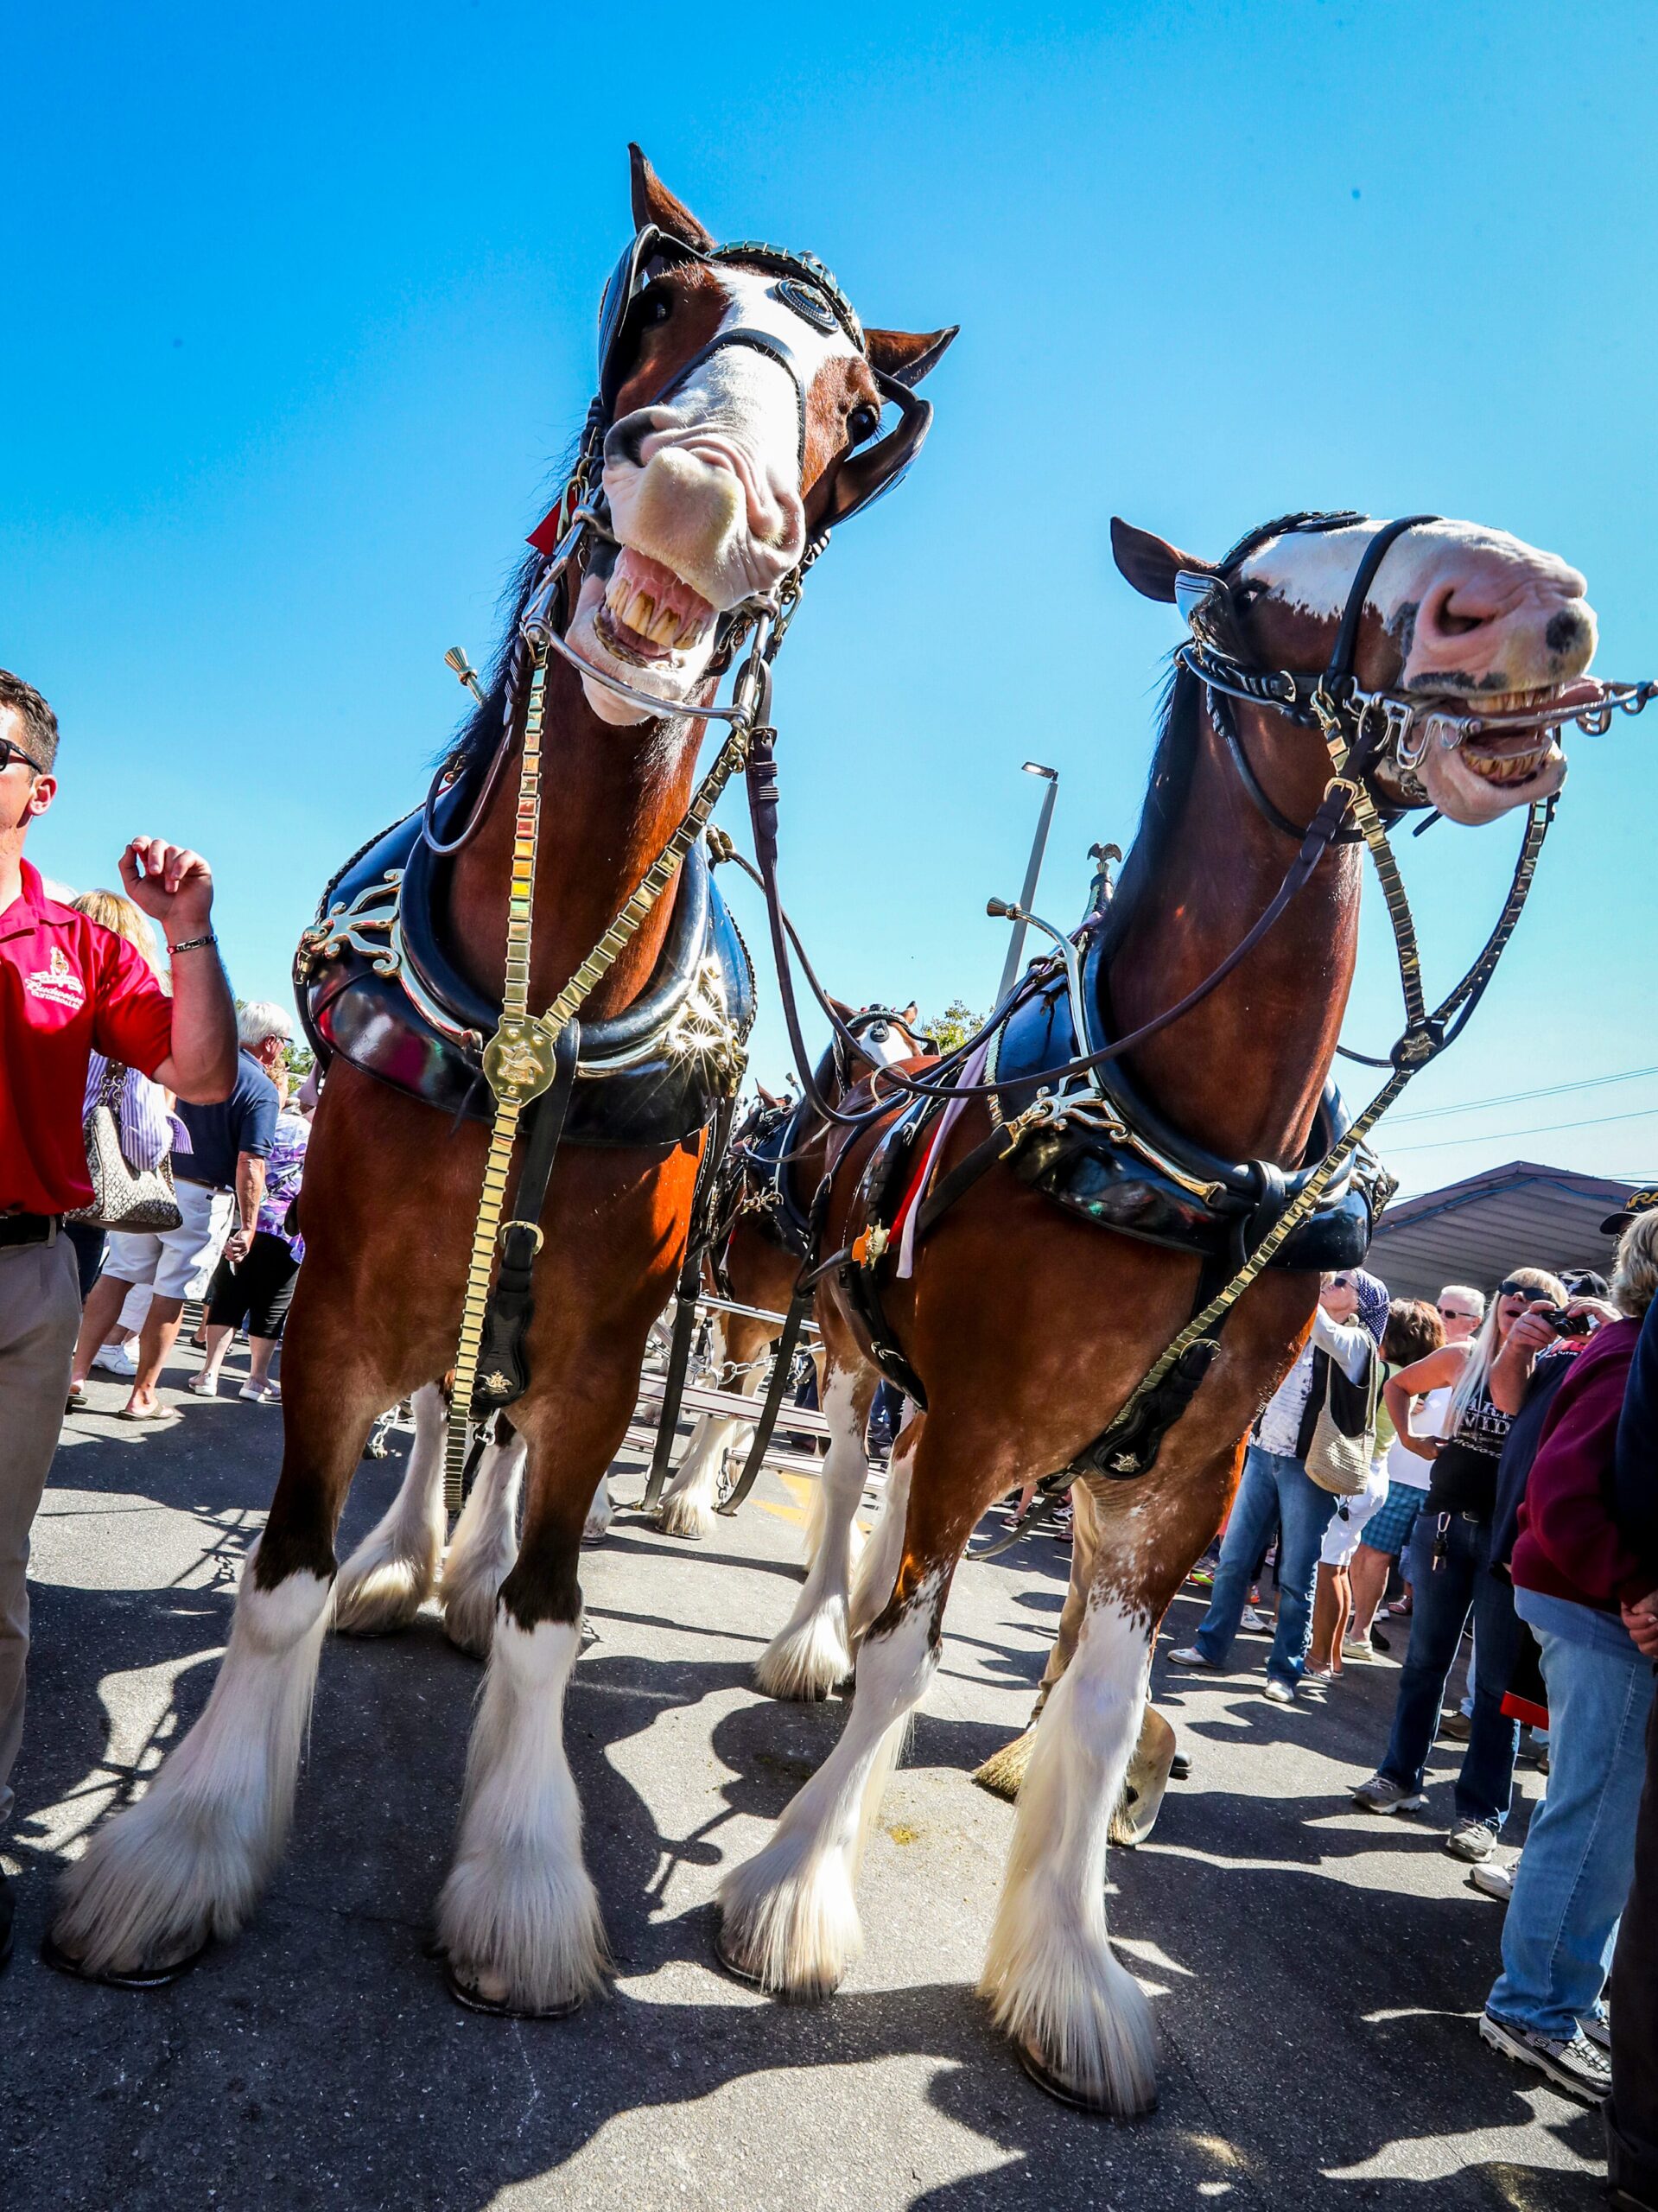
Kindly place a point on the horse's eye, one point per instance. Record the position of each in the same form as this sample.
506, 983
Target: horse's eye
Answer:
863, 424
655, 306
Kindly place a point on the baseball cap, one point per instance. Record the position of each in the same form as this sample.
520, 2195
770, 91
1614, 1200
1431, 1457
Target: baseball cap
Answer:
1640, 1202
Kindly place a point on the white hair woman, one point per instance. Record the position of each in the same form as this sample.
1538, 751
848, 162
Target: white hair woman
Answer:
1449, 1563
1573, 1569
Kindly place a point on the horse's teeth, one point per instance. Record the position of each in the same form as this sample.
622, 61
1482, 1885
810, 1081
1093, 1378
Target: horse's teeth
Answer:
691, 630
665, 628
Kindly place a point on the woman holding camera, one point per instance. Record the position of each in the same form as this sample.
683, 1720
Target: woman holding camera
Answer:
1450, 1571
1572, 1571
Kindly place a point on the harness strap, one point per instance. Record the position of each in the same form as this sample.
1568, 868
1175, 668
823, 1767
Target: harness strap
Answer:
776, 1383
502, 1375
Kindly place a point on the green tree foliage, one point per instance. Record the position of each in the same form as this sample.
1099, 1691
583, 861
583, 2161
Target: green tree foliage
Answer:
954, 1026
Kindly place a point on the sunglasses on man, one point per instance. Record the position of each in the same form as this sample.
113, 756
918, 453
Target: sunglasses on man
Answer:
1457, 1313
9, 753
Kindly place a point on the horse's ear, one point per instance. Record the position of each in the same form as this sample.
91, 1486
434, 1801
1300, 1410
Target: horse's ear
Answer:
907, 355
841, 1009
1150, 563
911, 1013
654, 203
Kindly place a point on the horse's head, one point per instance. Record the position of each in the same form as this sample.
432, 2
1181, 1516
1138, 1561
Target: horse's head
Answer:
1456, 622
743, 401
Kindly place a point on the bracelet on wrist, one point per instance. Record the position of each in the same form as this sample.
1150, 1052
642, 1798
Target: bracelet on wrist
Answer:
193, 943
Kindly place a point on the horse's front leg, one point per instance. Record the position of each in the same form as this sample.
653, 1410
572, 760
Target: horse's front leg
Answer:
394, 1570
809, 1657
485, 1544
789, 1917
691, 1499
187, 1861
518, 1919
1077, 2016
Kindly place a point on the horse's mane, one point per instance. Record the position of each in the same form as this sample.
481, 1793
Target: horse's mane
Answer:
479, 732
1176, 734
1165, 791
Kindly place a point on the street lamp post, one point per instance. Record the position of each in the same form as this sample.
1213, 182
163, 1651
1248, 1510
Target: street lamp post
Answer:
1038, 843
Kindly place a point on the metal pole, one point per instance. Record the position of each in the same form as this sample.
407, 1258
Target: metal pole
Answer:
1027, 897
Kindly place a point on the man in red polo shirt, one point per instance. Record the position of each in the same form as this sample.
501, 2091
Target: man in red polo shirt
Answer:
68, 986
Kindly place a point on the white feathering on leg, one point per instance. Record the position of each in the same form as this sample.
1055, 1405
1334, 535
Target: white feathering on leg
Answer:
482, 1549
187, 1860
883, 1555
789, 1916
1049, 1974
391, 1574
519, 1916
808, 1657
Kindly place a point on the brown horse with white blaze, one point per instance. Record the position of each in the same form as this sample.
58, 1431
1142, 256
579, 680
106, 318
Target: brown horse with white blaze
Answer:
739, 397
1029, 1326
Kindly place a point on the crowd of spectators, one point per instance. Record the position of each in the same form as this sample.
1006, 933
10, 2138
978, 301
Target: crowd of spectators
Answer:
1512, 1499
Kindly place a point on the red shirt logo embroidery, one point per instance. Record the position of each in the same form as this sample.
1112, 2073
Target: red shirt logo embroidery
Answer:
57, 982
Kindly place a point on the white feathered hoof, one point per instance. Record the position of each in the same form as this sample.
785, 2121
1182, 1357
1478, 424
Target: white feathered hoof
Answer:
689, 1514
807, 1662
385, 1583
789, 1921
1079, 2022
469, 1611
522, 1934
597, 1527
184, 1866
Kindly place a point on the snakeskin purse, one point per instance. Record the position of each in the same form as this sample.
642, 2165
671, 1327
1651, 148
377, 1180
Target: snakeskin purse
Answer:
124, 1197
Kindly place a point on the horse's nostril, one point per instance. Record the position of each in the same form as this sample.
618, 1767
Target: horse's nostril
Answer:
626, 439
1567, 631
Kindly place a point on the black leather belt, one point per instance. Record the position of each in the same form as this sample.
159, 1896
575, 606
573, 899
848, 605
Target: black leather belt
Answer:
27, 1228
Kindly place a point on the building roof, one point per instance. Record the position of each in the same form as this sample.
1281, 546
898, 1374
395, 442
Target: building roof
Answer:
1524, 1214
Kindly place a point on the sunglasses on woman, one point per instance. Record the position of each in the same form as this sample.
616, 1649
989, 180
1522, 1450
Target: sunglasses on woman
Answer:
1513, 1289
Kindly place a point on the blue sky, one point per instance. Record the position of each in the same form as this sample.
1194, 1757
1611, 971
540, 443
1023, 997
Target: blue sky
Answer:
300, 306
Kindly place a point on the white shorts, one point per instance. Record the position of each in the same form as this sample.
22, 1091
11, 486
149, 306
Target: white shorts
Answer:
177, 1262
1346, 1532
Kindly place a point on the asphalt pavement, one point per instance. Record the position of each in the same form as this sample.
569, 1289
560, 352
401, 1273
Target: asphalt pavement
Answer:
1316, 1974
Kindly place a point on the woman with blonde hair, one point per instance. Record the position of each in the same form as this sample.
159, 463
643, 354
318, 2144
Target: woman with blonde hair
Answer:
1449, 1573
143, 1112
1572, 1571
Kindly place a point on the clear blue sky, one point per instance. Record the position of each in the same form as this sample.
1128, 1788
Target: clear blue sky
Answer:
300, 305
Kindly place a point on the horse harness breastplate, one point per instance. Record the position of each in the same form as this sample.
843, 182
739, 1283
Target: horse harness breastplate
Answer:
375, 985
1093, 1146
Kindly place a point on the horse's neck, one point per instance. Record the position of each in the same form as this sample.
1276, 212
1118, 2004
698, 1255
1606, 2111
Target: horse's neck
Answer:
610, 799
1243, 1072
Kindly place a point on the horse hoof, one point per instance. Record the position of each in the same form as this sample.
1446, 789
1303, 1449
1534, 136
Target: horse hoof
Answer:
734, 1967
475, 2001
140, 1978
1062, 2091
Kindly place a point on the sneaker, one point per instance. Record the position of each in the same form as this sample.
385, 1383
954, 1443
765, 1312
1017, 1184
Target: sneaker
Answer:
1494, 1881
1455, 1726
1381, 1794
1597, 2026
1359, 1648
1250, 1623
1575, 2066
115, 1359
1190, 1656
1278, 1692
1472, 1841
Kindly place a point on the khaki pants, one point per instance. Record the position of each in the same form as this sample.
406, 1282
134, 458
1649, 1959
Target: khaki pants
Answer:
40, 1313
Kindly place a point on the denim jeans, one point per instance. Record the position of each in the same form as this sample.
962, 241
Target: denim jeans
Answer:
1272, 1486
1441, 1597
1575, 1871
